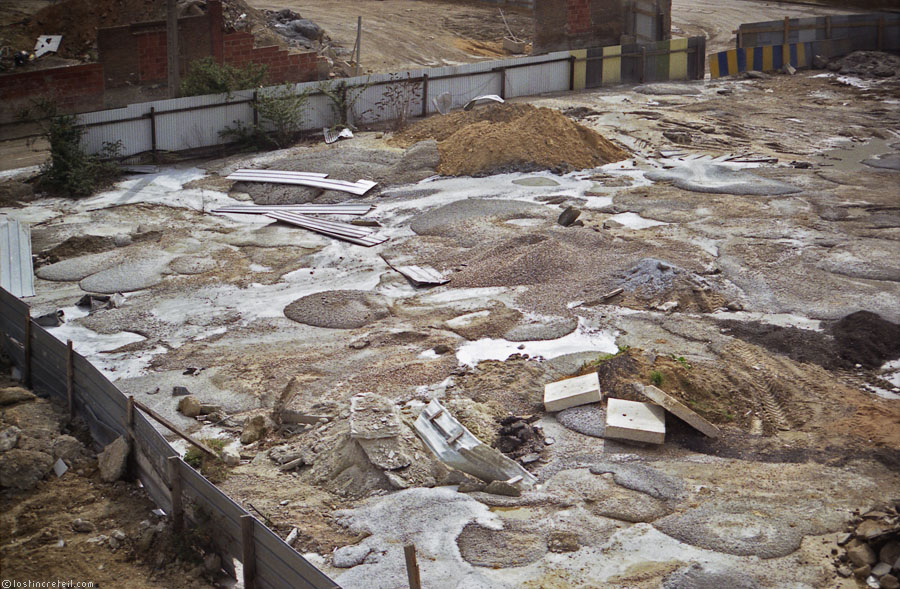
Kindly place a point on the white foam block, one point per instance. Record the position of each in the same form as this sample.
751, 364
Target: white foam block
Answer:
571, 392
639, 422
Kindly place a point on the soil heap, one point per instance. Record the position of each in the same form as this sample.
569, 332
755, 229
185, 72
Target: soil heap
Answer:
511, 137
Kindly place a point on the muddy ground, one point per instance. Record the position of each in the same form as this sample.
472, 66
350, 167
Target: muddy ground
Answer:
738, 281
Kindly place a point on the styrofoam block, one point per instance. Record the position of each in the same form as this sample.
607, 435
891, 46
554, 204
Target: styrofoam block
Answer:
631, 420
570, 392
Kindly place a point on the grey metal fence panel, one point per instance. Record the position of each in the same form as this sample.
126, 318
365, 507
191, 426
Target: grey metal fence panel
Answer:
278, 556
225, 514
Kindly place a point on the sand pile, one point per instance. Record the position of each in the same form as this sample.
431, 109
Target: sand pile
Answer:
511, 137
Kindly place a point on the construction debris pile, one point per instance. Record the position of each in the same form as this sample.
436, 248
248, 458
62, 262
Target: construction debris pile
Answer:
511, 137
872, 548
867, 64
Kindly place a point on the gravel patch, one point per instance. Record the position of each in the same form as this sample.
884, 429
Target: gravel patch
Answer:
81, 267
127, 277
509, 547
338, 309
589, 420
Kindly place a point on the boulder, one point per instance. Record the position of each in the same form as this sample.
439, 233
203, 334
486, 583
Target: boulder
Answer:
255, 430
231, 457
189, 406
861, 555
13, 395
306, 28
568, 216
113, 460
22, 469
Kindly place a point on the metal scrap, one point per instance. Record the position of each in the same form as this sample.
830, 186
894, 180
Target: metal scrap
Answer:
47, 44
307, 209
332, 136
359, 188
419, 275
16, 269
345, 231
455, 445
478, 99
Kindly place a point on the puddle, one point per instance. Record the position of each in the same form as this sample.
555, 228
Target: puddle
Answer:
635, 221
582, 339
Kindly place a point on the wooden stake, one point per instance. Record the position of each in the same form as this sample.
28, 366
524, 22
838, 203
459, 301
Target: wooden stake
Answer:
70, 379
175, 490
412, 567
26, 372
248, 550
358, 41
167, 424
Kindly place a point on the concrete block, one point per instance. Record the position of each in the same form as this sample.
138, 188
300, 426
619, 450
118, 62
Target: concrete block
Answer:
571, 392
631, 420
678, 409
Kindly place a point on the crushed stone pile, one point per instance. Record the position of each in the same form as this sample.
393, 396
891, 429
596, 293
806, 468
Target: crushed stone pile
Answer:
510, 138
871, 547
867, 64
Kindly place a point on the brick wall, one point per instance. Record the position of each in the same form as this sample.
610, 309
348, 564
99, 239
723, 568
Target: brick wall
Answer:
75, 88
282, 66
578, 24
152, 59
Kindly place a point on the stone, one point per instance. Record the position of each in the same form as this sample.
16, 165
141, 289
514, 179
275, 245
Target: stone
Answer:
350, 556
470, 486
118, 535
861, 555
881, 569
844, 538
568, 216
23, 469
563, 542
373, 416
396, 481
231, 457
503, 488
54, 319
572, 392
255, 430
385, 453
441, 349
189, 406
678, 409
208, 409
67, 448
844, 571
180, 391
863, 571
113, 543
889, 582
639, 422
870, 529
113, 460
890, 552
82, 526
12, 395
9, 437
122, 239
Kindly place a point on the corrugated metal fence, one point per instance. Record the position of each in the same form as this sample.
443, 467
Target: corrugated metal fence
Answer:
53, 368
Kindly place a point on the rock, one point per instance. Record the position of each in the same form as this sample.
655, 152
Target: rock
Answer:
82, 526
881, 569
470, 486
563, 542
67, 448
22, 469
350, 556
208, 409
863, 571
679, 137
189, 406
503, 488
373, 416
54, 319
122, 239
12, 395
255, 430
870, 529
890, 552
529, 458
306, 28
861, 555
8, 438
113, 543
212, 563
844, 571
568, 216
118, 535
180, 392
113, 460
441, 349
889, 582
231, 457
396, 480
359, 344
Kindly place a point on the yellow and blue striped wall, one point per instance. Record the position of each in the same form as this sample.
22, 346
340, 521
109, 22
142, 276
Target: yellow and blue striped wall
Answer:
676, 59
763, 59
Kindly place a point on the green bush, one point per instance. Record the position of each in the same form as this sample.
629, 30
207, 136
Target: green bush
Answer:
283, 110
205, 76
71, 171
656, 378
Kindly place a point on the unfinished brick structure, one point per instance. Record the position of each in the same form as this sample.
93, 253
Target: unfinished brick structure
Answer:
580, 24
135, 55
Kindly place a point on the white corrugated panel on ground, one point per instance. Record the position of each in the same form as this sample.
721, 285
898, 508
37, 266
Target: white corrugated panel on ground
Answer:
345, 231
16, 269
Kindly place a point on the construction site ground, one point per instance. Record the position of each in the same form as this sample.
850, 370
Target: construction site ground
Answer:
737, 284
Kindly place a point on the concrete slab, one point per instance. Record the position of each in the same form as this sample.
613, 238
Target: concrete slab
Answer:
679, 410
639, 422
571, 392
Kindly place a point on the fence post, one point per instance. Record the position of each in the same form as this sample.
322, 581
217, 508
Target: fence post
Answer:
412, 567
255, 109
70, 379
153, 133
248, 550
175, 491
503, 82
424, 95
26, 371
571, 73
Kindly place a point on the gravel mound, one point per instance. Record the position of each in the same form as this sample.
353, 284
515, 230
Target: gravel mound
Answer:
509, 547
73, 269
338, 309
511, 137
718, 179
866, 338
472, 221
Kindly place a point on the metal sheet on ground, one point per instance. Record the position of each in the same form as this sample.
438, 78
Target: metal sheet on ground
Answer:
419, 275
360, 187
344, 231
16, 269
338, 209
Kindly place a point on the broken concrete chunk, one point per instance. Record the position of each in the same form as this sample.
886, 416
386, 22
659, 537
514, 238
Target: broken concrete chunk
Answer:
255, 430
385, 453
231, 457
9, 437
571, 392
677, 409
189, 406
639, 422
373, 416
503, 488
113, 460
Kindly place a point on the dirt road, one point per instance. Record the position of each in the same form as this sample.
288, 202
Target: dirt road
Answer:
399, 34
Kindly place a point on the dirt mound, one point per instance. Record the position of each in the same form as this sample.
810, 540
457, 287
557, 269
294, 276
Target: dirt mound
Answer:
511, 137
866, 338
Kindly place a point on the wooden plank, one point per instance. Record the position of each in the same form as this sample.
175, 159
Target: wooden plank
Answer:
70, 380
19, 306
26, 369
155, 486
412, 567
175, 430
248, 551
279, 565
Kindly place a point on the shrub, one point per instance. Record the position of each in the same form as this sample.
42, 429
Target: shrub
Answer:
397, 100
283, 110
342, 99
656, 378
212, 469
205, 76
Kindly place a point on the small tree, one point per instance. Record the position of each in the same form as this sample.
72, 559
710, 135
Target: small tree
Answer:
205, 76
284, 110
342, 99
397, 99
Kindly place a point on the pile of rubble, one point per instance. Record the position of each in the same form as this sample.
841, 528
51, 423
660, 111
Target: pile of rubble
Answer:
867, 64
297, 30
872, 548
